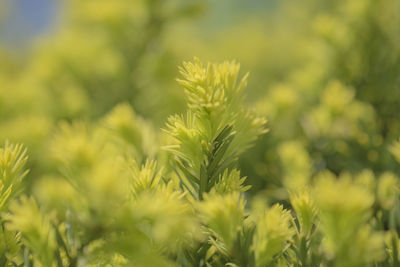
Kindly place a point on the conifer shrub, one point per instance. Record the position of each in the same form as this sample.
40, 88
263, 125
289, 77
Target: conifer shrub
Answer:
125, 194
105, 160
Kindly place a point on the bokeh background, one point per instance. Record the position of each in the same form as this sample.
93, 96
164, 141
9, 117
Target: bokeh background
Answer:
326, 74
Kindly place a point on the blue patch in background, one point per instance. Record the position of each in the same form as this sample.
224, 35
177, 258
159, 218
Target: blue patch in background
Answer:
26, 19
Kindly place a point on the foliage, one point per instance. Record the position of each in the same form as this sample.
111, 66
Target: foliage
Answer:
103, 207
212, 187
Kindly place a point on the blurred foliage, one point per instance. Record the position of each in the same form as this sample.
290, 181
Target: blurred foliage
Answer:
217, 186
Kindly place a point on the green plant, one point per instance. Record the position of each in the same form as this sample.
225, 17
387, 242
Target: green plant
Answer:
188, 207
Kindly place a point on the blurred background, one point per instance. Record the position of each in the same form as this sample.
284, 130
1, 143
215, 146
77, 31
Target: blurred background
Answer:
326, 74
